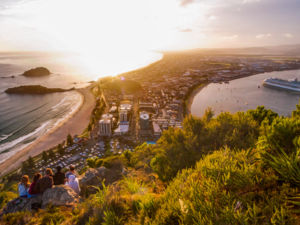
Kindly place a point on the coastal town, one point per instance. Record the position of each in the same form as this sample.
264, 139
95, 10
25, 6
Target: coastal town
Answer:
136, 107
139, 112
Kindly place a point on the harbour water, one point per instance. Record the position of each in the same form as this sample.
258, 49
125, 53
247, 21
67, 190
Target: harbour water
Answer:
247, 93
24, 118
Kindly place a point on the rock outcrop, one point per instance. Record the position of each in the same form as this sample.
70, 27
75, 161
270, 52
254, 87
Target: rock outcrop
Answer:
95, 177
58, 196
34, 90
21, 204
37, 72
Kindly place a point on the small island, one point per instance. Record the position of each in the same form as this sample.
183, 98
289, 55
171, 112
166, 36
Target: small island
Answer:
34, 90
37, 72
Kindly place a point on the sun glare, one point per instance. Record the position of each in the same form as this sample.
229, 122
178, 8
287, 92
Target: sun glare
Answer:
108, 34
97, 25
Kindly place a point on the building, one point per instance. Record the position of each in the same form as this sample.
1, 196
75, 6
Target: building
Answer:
144, 121
146, 106
105, 127
123, 116
107, 116
156, 129
123, 128
113, 109
125, 106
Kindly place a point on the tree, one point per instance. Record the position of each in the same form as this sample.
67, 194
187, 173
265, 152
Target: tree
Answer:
69, 139
260, 114
30, 162
45, 156
89, 128
60, 149
51, 154
127, 155
24, 167
296, 113
28, 166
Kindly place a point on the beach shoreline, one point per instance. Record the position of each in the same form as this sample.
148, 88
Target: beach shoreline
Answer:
191, 96
73, 124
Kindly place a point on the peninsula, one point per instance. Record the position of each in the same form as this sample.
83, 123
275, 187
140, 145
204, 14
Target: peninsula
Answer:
34, 90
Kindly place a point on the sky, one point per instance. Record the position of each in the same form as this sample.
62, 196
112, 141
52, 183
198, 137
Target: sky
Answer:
139, 25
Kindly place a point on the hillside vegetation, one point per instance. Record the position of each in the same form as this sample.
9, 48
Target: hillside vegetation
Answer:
241, 168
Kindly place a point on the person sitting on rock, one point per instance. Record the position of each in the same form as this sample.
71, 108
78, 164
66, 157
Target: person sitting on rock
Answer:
59, 177
24, 186
71, 172
46, 182
73, 183
33, 187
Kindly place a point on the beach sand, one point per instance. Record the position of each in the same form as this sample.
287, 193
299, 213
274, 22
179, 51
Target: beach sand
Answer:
74, 124
191, 98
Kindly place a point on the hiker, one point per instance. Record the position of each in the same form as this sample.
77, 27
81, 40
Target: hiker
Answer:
45, 182
59, 177
33, 187
73, 183
71, 172
24, 186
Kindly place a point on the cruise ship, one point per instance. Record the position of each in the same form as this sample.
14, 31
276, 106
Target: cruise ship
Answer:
290, 85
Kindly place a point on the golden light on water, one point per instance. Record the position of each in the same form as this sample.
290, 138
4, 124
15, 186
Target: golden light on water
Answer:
96, 65
108, 36
115, 25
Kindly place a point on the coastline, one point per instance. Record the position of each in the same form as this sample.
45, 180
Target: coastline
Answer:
190, 98
70, 125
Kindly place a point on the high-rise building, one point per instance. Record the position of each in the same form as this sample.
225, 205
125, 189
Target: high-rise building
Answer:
144, 121
105, 127
123, 116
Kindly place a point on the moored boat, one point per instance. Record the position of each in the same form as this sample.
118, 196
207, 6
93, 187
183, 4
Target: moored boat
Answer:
290, 85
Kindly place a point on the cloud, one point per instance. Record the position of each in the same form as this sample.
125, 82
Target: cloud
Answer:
288, 35
261, 36
186, 2
232, 37
212, 17
250, 1
186, 30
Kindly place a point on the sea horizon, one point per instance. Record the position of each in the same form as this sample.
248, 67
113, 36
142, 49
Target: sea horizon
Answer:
43, 113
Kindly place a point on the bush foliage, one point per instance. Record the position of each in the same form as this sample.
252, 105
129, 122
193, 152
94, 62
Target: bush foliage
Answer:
241, 168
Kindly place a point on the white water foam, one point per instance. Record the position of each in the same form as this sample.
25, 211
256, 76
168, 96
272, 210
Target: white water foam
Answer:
45, 127
73, 109
13, 143
5, 136
62, 102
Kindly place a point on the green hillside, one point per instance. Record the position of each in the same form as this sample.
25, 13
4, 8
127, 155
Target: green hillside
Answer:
241, 168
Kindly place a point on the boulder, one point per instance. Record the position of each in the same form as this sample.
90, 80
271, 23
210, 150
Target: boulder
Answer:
92, 177
22, 204
95, 177
60, 195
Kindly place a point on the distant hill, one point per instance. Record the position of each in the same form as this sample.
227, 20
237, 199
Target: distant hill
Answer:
280, 50
127, 86
37, 72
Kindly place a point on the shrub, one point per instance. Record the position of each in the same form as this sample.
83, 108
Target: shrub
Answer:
20, 218
5, 197
110, 218
133, 185
226, 187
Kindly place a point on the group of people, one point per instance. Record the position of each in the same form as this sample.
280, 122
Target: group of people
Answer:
41, 183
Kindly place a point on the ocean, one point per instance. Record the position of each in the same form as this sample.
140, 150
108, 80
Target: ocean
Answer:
24, 118
247, 93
